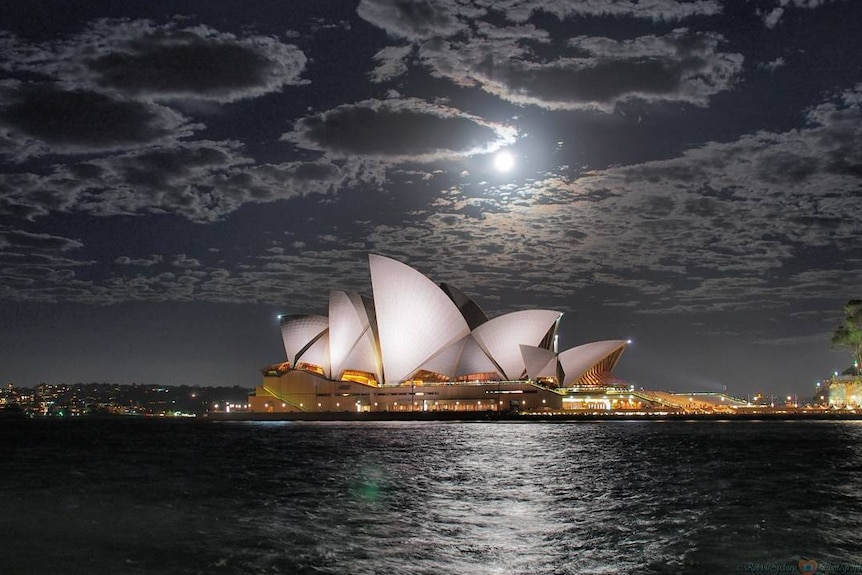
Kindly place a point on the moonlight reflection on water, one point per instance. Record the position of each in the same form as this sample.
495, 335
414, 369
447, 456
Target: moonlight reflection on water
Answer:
422, 498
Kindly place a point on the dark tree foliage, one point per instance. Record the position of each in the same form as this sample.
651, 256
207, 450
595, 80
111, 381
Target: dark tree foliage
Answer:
848, 335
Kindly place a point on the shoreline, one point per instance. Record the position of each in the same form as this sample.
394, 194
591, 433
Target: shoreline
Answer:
473, 417
490, 416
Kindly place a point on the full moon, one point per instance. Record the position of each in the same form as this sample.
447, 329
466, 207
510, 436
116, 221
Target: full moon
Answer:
504, 161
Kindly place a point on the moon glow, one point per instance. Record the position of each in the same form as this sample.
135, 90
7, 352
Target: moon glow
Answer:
504, 161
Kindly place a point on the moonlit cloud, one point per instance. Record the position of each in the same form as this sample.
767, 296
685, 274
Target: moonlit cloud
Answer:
773, 65
443, 18
681, 67
771, 17
708, 230
400, 130
420, 20
596, 73
391, 62
656, 10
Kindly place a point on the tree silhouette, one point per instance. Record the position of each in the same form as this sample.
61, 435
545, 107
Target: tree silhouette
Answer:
849, 334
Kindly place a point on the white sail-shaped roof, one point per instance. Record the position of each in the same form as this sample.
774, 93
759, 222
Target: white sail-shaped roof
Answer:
351, 344
501, 337
446, 361
415, 318
474, 360
318, 354
300, 331
539, 362
579, 360
364, 357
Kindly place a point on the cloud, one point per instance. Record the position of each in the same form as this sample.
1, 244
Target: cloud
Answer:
23, 240
681, 66
399, 130
724, 227
145, 262
429, 19
419, 20
591, 73
143, 60
773, 65
773, 16
39, 118
655, 10
771, 20
309, 274
110, 87
164, 178
33, 263
184, 261
815, 338
203, 181
391, 62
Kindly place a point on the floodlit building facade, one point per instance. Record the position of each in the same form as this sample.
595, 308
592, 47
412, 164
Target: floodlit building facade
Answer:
419, 346
842, 391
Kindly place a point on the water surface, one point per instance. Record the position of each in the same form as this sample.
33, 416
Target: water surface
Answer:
156, 497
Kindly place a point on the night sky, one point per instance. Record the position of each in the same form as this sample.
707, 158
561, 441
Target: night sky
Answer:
174, 174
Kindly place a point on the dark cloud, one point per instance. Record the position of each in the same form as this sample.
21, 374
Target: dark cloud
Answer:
41, 118
190, 67
703, 207
203, 181
157, 168
788, 168
22, 240
154, 179
145, 60
24, 197
398, 130
314, 171
34, 267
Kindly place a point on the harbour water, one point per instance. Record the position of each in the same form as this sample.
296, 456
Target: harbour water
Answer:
161, 496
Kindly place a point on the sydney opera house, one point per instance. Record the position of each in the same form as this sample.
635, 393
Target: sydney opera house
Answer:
416, 345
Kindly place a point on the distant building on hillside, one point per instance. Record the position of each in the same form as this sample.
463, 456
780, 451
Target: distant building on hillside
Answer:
844, 390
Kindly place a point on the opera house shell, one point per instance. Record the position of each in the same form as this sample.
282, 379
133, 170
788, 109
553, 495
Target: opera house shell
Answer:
421, 346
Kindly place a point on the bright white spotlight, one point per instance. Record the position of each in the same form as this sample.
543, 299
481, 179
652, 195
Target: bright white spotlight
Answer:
504, 161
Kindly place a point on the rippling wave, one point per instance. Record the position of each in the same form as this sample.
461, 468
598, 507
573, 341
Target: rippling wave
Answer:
147, 497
